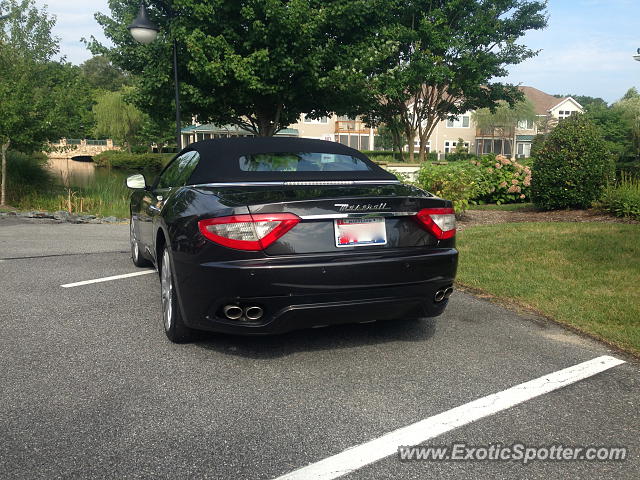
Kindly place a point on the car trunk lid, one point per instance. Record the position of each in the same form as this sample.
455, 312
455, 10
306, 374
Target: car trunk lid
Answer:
331, 213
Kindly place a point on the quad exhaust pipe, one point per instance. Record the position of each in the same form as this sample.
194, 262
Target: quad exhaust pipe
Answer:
443, 294
232, 312
253, 313
235, 312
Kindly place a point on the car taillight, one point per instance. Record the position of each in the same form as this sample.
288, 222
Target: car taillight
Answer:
441, 222
248, 232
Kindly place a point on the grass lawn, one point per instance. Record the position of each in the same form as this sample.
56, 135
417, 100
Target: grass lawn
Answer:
508, 207
586, 275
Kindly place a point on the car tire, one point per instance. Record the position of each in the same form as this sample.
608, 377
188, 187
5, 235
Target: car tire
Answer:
174, 326
136, 254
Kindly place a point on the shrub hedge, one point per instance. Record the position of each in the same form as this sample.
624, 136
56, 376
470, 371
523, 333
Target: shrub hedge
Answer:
622, 199
380, 156
503, 180
487, 179
572, 167
132, 161
459, 182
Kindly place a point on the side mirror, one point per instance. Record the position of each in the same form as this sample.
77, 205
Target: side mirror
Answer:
136, 181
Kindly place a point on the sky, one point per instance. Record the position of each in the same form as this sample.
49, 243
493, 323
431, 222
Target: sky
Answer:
586, 49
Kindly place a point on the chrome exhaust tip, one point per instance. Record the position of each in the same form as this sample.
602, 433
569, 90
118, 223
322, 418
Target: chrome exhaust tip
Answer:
232, 312
253, 313
448, 291
439, 296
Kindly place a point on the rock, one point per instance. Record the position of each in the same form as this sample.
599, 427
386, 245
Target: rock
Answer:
109, 219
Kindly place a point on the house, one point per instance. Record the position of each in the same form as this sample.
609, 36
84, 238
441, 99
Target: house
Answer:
196, 132
549, 110
338, 128
444, 139
348, 131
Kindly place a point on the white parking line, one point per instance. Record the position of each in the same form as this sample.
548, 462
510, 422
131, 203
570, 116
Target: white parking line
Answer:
107, 279
366, 453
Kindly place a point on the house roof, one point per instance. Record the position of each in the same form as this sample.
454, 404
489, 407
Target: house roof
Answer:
542, 102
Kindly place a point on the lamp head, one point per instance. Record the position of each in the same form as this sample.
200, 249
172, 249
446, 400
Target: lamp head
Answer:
142, 29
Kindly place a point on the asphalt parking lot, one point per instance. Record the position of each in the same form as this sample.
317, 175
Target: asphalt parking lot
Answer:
91, 388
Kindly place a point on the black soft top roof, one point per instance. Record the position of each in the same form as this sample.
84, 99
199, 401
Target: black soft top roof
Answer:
219, 160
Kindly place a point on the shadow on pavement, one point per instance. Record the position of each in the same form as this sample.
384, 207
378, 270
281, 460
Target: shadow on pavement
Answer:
327, 338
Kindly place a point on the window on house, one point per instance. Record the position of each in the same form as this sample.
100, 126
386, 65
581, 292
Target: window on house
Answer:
565, 114
525, 124
524, 149
460, 122
364, 142
450, 147
313, 120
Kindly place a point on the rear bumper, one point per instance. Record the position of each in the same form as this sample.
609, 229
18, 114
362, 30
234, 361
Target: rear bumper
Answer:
312, 290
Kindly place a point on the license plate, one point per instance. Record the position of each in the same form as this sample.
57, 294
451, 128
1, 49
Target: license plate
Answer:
357, 232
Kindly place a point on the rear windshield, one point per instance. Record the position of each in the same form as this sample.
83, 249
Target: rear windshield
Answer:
301, 162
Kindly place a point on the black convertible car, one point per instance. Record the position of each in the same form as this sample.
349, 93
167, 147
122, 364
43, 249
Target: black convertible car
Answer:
267, 235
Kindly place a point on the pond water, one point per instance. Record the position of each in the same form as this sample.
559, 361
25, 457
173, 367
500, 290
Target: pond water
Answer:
72, 173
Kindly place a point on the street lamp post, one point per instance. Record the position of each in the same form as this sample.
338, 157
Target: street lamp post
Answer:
145, 32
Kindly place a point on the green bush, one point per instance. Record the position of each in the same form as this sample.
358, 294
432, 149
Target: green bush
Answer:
132, 161
623, 199
459, 156
25, 168
572, 167
629, 167
503, 180
26, 173
382, 156
379, 156
458, 182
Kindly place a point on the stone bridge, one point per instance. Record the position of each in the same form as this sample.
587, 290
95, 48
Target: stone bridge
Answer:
73, 148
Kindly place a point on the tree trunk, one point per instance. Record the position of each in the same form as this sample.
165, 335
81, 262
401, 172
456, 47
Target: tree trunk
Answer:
396, 136
411, 138
3, 184
422, 151
268, 121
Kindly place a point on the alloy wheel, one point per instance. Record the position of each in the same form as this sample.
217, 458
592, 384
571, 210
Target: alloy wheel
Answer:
166, 284
135, 250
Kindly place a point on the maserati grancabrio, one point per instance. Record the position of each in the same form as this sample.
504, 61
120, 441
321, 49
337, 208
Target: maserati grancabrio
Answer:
268, 235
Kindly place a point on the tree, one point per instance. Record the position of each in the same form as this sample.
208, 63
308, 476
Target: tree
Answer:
101, 74
615, 129
572, 167
255, 64
28, 85
502, 122
117, 119
391, 136
629, 109
434, 60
